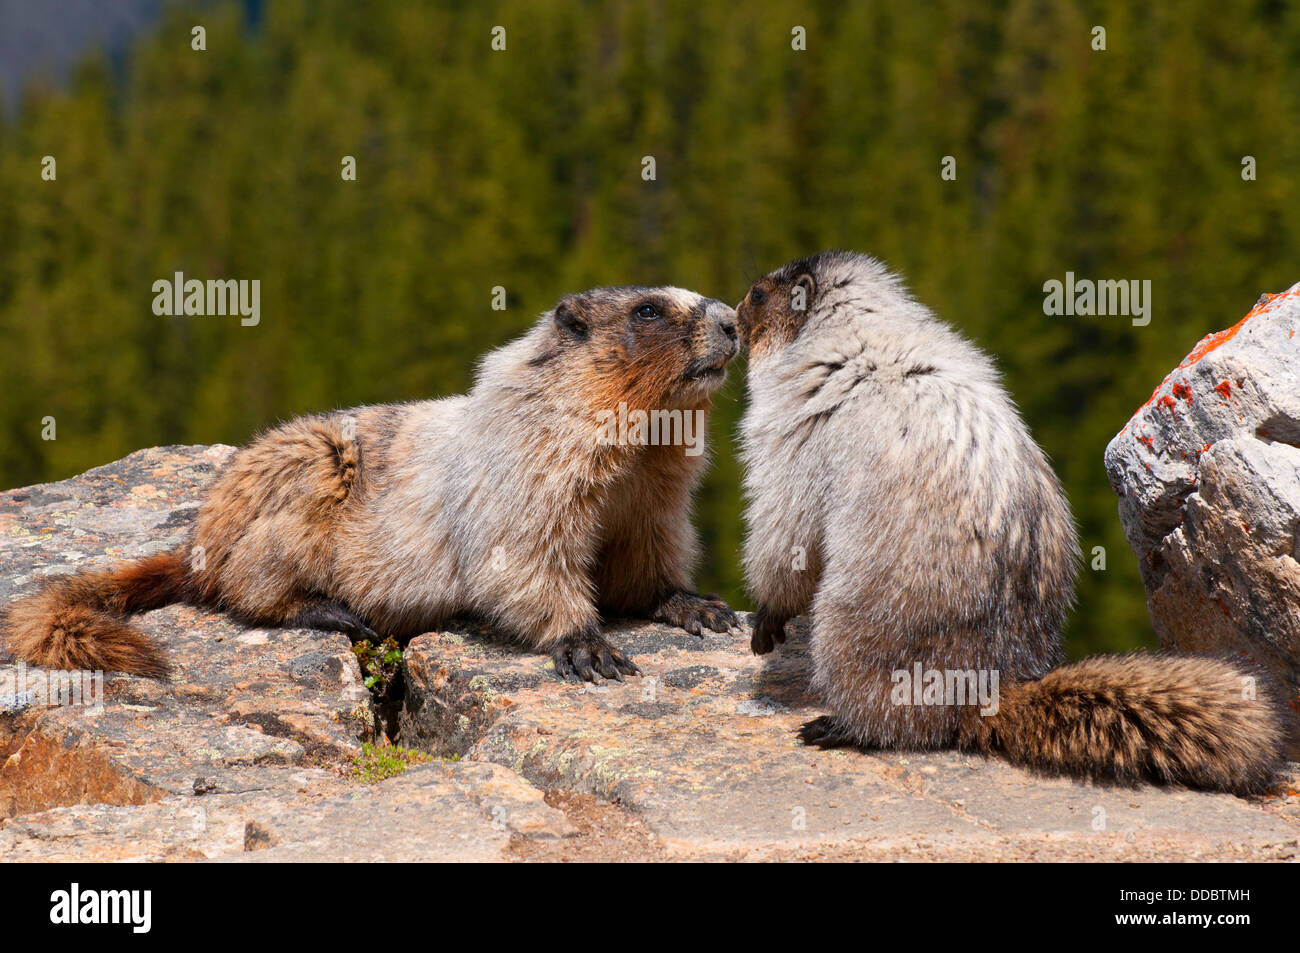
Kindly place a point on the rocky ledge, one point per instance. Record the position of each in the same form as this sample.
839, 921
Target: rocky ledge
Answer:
250, 749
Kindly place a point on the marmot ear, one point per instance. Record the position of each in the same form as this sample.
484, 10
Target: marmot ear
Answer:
808, 283
570, 319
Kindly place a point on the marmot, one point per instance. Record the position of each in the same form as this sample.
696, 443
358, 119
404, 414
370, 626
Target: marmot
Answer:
510, 503
894, 491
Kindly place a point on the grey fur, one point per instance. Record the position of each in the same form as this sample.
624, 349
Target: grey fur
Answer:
881, 442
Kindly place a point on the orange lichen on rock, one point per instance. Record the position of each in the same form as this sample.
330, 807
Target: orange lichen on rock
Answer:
1211, 341
1208, 344
1224, 388
1219, 338
1152, 398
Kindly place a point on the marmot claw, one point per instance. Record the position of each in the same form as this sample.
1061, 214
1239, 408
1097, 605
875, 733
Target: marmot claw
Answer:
825, 732
695, 613
589, 654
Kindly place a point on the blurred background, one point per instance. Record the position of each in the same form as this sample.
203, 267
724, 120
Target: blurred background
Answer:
523, 169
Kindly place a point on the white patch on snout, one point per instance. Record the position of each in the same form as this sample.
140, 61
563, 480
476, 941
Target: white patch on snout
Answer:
720, 311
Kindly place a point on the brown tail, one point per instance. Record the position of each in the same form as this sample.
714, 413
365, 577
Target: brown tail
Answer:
1193, 720
79, 621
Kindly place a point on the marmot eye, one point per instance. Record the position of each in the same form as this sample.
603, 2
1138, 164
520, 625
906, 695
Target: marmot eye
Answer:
757, 296
648, 312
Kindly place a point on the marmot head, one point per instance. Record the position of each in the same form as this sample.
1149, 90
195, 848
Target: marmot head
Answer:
649, 347
782, 303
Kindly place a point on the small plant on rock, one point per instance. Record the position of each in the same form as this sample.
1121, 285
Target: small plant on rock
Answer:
377, 762
379, 663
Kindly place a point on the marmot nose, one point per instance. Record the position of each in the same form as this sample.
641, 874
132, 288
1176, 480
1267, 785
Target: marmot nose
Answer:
724, 316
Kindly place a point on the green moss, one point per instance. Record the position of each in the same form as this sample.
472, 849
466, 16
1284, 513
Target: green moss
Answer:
377, 762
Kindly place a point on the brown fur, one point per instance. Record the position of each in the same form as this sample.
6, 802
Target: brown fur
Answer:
1128, 718
501, 503
267, 523
78, 622
765, 318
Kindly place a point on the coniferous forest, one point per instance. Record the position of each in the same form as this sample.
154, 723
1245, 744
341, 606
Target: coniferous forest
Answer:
1170, 156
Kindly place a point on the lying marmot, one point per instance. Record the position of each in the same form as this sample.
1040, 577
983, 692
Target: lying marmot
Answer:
516, 503
895, 492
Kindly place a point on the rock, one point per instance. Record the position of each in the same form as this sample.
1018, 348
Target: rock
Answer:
432, 812
1208, 475
245, 752
702, 749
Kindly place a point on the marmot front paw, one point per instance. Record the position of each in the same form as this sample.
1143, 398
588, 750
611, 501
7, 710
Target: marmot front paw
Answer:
694, 613
769, 629
587, 654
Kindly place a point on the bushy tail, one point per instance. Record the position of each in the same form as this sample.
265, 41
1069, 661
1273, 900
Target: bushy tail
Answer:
79, 621
1198, 721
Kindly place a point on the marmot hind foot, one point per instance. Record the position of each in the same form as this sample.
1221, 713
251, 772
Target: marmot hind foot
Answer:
825, 732
331, 616
695, 613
